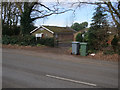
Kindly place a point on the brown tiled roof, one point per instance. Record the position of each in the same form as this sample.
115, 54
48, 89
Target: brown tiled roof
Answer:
57, 29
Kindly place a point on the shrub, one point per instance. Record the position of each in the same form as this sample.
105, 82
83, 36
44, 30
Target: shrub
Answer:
46, 41
97, 38
14, 40
39, 45
13, 30
27, 40
6, 39
49, 42
108, 52
115, 43
79, 37
91, 51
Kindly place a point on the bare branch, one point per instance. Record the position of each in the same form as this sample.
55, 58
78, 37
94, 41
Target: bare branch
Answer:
110, 9
37, 10
19, 6
116, 12
44, 6
50, 14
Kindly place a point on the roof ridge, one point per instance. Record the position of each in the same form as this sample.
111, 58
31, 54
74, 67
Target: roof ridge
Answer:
55, 26
55, 29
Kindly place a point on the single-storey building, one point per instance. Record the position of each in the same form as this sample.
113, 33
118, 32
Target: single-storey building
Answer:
59, 33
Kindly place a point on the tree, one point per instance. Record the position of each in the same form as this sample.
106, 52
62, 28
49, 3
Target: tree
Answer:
27, 13
83, 25
98, 33
78, 27
31, 11
114, 11
75, 26
111, 7
10, 15
99, 18
40, 10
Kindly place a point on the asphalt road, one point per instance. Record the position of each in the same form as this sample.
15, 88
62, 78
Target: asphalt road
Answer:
29, 69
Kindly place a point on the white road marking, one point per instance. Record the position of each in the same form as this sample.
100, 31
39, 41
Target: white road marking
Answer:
71, 80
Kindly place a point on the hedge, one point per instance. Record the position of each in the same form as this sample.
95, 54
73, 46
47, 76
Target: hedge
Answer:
27, 40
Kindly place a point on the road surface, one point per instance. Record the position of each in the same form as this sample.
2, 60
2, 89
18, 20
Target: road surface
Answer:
30, 69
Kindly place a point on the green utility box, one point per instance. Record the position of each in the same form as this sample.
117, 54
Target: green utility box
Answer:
83, 48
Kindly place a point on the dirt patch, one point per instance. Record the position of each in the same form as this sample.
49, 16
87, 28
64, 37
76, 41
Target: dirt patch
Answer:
98, 56
63, 50
22, 47
46, 49
101, 56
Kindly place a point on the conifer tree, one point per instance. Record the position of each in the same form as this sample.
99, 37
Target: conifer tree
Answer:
98, 31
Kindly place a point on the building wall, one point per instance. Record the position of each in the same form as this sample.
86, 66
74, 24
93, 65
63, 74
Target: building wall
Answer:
60, 36
65, 37
45, 33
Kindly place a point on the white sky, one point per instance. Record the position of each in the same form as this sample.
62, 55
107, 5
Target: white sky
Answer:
57, 0
82, 14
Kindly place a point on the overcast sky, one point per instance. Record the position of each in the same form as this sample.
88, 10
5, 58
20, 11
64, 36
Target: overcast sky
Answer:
82, 14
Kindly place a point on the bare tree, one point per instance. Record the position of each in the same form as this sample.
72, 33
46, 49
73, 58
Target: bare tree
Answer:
31, 11
10, 14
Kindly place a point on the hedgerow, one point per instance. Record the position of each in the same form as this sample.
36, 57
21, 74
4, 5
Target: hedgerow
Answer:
27, 40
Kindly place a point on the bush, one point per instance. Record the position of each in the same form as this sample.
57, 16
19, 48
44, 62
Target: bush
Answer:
6, 40
79, 37
97, 38
39, 45
115, 43
108, 52
91, 51
13, 30
27, 40
46, 41
13, 40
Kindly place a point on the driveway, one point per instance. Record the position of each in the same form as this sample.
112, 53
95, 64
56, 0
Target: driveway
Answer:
30, 69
